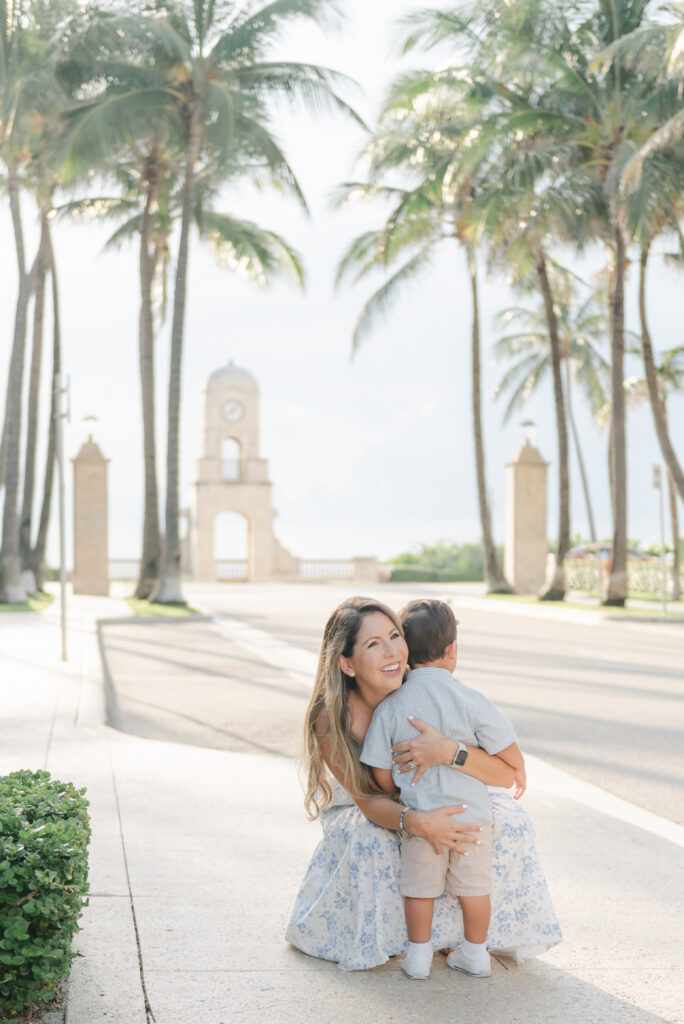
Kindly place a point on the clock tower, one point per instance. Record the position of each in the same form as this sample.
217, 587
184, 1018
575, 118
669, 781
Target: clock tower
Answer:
232, 476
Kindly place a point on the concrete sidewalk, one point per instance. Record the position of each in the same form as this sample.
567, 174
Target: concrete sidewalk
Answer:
197, 855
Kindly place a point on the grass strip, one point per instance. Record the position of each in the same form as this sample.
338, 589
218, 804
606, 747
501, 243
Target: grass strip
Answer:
592, 605
172, 611
35, 603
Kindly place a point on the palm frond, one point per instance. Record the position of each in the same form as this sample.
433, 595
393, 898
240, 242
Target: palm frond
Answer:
382, 300
251, 250
292, 81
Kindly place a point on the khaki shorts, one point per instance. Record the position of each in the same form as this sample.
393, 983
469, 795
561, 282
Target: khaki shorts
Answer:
425, 874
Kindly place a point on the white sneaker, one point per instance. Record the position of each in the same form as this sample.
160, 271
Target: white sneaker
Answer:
478, 968
417, 963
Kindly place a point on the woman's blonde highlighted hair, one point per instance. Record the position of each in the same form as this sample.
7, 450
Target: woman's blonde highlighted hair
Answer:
330, 695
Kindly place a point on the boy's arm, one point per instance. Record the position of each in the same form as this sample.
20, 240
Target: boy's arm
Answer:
512, 755
383, 777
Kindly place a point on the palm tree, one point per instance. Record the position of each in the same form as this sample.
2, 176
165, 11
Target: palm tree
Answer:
37, 562
219, 82
582, 332
541, 59
189, 114
656, 207
27, 89
669, 372
414, 141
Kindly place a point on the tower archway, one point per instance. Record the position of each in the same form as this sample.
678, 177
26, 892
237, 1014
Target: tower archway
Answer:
231, 546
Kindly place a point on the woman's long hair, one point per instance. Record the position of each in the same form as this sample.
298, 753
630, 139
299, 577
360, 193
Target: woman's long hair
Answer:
330, 693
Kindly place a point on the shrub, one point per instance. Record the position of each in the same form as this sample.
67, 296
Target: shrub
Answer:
44, 835
440, 562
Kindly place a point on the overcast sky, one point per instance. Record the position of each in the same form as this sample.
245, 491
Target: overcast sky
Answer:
366, 457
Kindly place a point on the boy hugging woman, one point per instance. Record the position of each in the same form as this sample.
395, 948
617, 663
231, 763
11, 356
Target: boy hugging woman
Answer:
431, 693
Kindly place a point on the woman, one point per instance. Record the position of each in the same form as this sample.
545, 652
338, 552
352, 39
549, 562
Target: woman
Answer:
348, 908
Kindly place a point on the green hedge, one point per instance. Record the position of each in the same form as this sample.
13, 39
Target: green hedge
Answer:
405, 574
44, 835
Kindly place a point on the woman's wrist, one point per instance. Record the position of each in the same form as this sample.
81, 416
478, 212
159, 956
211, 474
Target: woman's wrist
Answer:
411, 821
451, 748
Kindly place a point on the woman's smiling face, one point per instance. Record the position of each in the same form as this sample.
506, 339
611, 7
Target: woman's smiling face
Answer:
379, 657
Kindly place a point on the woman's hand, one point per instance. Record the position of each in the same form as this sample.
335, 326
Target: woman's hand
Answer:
427, 749
440, 829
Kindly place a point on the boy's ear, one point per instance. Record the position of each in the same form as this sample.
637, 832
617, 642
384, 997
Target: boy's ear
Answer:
450, 650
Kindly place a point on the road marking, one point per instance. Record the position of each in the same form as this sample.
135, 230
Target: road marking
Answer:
549, 779
297, 662
301, 665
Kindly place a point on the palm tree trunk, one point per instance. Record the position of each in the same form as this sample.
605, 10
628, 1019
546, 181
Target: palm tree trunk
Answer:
25, 553
168, 589
580, 457
151, 548
617, 581
556, 589
11, 589
659, 422
674, 520
2, 456
494, 577
38, 554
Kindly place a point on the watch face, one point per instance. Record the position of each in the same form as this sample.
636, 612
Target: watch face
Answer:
233, 410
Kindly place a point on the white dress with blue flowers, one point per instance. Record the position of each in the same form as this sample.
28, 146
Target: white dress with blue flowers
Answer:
349, 909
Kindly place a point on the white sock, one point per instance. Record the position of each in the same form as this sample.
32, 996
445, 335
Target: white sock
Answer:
474, 951
418, 960
420, 949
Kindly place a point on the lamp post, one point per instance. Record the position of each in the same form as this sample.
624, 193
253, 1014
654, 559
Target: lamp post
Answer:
528, 431
658, 485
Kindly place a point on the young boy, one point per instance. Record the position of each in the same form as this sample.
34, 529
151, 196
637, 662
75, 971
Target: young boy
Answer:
431, 693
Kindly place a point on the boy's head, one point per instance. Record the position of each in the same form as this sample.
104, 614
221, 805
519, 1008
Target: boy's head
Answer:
430, 630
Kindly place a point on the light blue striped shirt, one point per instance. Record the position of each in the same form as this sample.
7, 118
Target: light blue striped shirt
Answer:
460, 713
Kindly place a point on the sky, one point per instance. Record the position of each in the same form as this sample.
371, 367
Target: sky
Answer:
370, 456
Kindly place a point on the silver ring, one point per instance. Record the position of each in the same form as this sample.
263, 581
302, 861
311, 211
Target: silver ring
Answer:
411, 764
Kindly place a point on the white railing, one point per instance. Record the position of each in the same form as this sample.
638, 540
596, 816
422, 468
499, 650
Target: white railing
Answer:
231, 569
326, 569
124, 568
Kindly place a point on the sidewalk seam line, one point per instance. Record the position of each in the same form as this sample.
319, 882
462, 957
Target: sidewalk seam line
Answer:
149, 1015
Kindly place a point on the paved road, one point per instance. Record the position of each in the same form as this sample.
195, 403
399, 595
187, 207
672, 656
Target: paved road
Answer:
604, 702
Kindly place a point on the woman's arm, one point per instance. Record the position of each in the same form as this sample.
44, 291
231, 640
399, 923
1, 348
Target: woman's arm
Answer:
431, 747
437, 827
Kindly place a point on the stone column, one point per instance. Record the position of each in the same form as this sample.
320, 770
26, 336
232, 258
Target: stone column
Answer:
366, 569
91, 568
526, 546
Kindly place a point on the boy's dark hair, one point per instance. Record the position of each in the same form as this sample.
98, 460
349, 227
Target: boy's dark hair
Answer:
429, 627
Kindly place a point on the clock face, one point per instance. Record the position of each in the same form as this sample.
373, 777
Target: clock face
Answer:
233, 410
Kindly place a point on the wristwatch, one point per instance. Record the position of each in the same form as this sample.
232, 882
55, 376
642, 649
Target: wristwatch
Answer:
461, 756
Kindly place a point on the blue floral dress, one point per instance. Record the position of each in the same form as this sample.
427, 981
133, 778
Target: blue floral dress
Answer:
349, 909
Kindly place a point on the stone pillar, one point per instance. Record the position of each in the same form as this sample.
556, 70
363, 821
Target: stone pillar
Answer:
91, 568
366, 569
525, 550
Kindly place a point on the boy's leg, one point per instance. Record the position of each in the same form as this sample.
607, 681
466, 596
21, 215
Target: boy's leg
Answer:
476, 914
418, 912
418, 960
470, 881
472, 956
422, 878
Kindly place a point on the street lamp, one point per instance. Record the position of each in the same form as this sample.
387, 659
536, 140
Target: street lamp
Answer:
528, 429
658, 485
